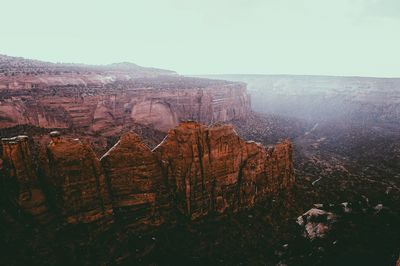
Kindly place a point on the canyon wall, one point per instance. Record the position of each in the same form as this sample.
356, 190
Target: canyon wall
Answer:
324, 98
211, 169
195, 171
160, 102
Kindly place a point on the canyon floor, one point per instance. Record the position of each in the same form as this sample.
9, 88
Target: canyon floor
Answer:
357, 165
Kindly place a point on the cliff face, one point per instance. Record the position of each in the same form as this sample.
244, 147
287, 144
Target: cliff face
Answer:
196, 170
76, 183
108, 110
20, 182
324, 98
212, 169
164, 109
136, 183
105, 99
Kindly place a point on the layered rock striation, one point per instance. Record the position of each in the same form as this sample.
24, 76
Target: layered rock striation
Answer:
108, 109
195, 171
104, 99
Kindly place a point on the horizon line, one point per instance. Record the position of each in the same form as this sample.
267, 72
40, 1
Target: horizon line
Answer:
208, 74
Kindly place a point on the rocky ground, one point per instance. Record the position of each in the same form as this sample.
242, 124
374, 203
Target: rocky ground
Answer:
337, 163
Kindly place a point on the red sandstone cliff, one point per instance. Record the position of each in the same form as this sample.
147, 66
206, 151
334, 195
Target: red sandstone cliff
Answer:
212, 169
105, 99
137, 187
108, 110
75, 181
18, 174
195, 170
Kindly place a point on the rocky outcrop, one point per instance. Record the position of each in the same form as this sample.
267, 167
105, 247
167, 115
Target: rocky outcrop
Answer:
211, 169
20, 183
316, 223
196, 170
76, 183
117, 208
136, 183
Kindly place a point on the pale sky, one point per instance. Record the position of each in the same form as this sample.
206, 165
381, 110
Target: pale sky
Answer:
317, 37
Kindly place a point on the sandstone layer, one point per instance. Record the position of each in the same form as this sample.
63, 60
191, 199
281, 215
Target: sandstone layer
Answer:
108, 110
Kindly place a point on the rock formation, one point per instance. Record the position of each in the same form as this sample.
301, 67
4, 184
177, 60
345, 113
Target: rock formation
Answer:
55, 190
76, 182
136, 182
316, 223
20, 182
107, 110
107, 98
212, 169
196, 170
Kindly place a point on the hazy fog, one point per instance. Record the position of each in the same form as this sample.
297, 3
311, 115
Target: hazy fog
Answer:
325, 98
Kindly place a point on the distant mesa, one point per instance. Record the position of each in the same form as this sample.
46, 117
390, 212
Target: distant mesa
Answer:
11, 66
